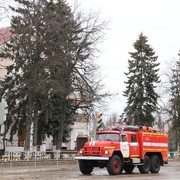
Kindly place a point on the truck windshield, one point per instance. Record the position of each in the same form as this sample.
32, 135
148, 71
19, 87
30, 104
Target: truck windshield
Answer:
108, 137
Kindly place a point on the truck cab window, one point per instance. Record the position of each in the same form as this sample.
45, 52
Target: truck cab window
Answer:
109, 137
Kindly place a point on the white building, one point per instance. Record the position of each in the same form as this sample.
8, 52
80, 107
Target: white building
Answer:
78, 129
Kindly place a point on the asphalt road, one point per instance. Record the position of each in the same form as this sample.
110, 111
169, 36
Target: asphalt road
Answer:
170, 171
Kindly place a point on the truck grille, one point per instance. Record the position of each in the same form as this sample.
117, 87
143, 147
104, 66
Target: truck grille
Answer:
95, 151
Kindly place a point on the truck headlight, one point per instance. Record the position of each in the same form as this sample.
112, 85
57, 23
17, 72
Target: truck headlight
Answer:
106, 152
81, 151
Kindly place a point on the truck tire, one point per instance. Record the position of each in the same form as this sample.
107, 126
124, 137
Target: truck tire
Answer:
114, 165
85, 167
155, 164
128, 169
144, 169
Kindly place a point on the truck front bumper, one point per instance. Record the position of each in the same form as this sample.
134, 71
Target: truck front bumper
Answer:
91, 158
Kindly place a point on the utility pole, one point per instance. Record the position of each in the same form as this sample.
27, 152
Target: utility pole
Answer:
92, 126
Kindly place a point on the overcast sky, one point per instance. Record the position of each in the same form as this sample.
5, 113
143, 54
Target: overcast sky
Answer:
159, 20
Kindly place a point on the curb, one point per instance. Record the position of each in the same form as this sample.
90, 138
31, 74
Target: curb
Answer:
19, 171
36, 163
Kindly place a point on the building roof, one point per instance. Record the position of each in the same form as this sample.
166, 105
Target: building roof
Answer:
5, 35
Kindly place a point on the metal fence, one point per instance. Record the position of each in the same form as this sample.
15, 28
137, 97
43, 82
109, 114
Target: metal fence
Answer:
48, 155
37, 156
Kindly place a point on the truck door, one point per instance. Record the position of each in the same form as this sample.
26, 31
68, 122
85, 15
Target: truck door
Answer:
124, 145
134, 146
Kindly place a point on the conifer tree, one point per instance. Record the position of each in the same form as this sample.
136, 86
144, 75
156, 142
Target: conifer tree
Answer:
174, 110
142, 78
25, 78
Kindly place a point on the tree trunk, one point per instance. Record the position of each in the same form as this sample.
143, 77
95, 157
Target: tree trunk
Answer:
35, 129
55, 140
28, 125
60, 131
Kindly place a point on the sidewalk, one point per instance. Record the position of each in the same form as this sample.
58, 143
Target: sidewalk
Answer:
12, 168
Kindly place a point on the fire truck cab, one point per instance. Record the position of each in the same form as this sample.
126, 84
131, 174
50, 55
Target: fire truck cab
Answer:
119, 150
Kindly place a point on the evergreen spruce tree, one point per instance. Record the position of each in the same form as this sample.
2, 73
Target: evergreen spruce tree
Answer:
175, 102
22, 84
141, 84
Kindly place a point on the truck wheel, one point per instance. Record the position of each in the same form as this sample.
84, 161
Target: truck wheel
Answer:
85, 167
155, 164
144, 169
128, 169
114, 165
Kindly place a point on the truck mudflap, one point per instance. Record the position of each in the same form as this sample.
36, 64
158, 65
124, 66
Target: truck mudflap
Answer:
91, 158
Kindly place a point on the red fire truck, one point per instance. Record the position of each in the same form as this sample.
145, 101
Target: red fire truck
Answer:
119, 150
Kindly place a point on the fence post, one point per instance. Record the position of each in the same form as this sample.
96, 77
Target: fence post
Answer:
35, 158
28, 155
11, 159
